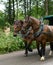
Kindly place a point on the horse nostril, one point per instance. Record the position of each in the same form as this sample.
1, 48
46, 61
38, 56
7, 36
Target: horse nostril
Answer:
21, 30
14, 35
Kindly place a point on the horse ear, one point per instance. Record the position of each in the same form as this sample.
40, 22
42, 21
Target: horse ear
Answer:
14, 21
21, 21
27, 18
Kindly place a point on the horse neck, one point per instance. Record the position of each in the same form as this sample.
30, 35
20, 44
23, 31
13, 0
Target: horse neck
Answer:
35, 24
35, 21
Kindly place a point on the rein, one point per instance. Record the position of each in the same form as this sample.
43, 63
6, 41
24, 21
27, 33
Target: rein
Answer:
27, 32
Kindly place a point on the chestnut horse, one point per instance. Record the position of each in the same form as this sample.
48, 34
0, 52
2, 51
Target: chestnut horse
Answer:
17, 26
41, 33
26, 38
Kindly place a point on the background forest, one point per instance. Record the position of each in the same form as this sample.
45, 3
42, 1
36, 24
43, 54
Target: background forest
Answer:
18, 9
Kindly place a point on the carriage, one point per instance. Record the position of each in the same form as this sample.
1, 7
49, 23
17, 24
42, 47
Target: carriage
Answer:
50, 18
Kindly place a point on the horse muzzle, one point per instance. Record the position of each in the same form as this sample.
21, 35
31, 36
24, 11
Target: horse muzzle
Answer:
23, 31
14, 34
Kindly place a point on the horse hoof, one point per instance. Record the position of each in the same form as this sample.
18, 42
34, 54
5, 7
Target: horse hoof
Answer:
30, 50
50, 53
42, 58
26, 55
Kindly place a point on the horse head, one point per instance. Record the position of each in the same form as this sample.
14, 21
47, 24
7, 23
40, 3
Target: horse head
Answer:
26, 25
17, 26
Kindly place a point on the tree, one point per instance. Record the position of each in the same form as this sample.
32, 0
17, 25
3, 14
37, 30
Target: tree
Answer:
9, 12
46, 7
50, 7
37, 7
25, 8
13, 10
30, 8
17, 8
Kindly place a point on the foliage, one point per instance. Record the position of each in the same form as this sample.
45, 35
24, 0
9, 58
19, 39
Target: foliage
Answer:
10, 43
33, 46
15, 9
20, 14
2, 18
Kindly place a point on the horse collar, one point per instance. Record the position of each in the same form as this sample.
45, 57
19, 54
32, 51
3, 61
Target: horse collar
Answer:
37, 34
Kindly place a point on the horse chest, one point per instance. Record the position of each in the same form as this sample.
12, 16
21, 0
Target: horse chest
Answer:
50, 39
51, 28
39, 39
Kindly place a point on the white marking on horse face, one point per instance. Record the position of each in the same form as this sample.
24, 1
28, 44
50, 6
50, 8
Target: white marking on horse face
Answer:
42, 58
50, 53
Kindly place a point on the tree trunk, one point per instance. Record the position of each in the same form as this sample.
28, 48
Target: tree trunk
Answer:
9, 12
13, 11
30, 8
46, 7
17, 7
37, 8
25, 8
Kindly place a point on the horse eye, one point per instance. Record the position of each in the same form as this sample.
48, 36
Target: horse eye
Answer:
17, 26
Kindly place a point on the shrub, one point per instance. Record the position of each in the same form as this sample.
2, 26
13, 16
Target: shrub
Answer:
10, 43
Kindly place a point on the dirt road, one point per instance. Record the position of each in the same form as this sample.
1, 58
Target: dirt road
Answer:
18, 58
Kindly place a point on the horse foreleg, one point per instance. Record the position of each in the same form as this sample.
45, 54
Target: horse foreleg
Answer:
51, 48
29, 48
43, 51
26, 48
38, 48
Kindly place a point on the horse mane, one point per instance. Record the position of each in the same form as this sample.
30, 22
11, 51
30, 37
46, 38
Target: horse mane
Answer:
32, 18
16, 21
35, 19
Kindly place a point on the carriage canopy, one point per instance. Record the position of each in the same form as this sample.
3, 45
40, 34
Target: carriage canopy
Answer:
50, 18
